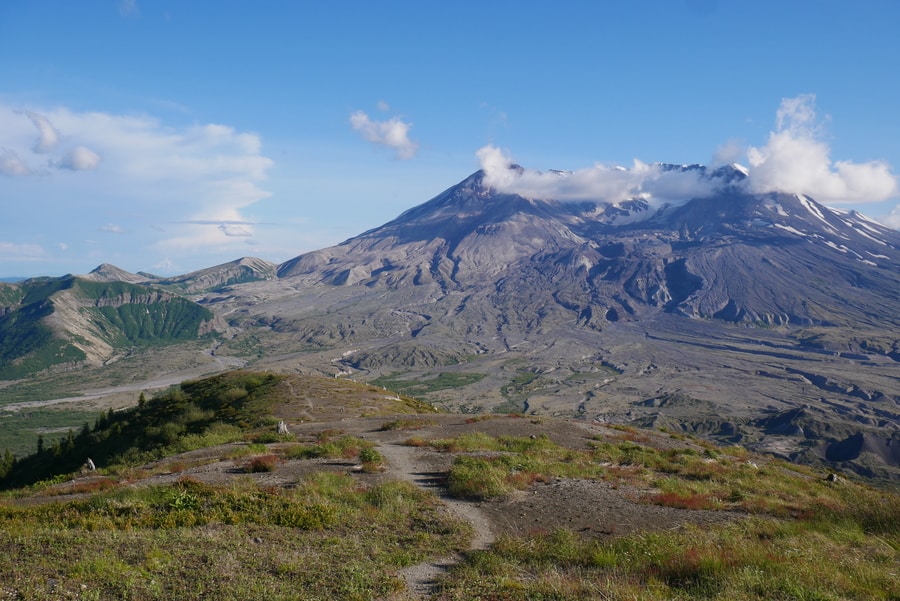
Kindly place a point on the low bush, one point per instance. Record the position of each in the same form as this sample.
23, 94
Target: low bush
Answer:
262, 463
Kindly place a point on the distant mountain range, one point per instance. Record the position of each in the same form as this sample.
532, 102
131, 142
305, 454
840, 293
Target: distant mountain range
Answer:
769, 320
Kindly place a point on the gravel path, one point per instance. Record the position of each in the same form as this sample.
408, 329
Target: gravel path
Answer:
408, 463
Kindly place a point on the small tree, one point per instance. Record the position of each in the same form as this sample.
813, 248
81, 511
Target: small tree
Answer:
6, 463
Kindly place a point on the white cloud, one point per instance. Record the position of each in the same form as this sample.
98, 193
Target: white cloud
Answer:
892, 219
796, 160
599, 183
10, 251
145, 172
730, 152
11, 164
80, 158
383, 106
112, 228
392, 133
48, 137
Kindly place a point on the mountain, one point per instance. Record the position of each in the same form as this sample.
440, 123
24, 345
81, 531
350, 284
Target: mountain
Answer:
74, 321
774, 259
713, 315
764, 319
247, 269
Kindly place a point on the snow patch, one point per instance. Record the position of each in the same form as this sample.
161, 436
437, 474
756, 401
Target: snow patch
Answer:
870, 237
810, 206
740, 168
788, 228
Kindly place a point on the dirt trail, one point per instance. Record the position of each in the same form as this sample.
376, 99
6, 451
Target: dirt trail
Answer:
408, 463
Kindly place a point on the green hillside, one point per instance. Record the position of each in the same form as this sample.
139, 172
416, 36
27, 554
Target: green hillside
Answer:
51, 321
194, 415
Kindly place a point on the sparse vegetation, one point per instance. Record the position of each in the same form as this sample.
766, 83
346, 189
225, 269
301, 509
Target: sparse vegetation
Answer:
329, 444
328, 538
138, 530
753, 559
443, 381
414, 423
804, 523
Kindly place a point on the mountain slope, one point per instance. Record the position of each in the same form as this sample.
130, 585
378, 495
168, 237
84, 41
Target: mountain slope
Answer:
70, 321
848, 267
708, 315
247, 269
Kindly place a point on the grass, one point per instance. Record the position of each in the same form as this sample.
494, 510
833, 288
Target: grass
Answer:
19, 430
443, 381
329, 537
341, 536
691, 476
802, 538
412, 423
507, 463
753, 559
330, 444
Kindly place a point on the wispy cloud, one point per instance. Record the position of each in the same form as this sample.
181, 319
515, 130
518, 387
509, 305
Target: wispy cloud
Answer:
112, 228
392, 133
48, 137
80, 158
11, 164
796, 159
21, 252
235, 231
892, 219
129, 8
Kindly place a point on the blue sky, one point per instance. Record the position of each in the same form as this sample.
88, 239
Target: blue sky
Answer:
170, 135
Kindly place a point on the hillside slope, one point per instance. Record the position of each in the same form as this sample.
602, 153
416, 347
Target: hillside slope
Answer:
70, 321
368, 494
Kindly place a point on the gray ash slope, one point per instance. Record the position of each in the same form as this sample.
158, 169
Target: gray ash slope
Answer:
767, 319
771, 259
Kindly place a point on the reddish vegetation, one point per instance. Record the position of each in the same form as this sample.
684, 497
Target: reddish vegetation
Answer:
671, 499
85, 486
262, 463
